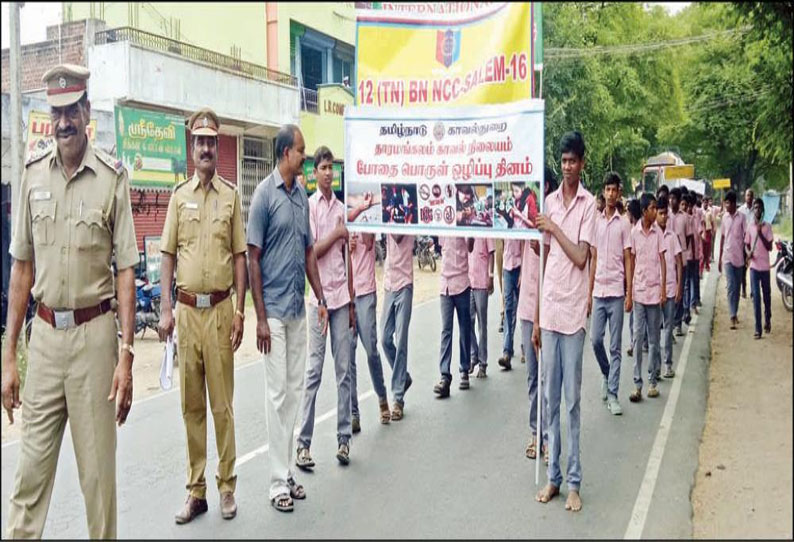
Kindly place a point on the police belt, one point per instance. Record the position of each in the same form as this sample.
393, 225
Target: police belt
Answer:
201, 301
67, 319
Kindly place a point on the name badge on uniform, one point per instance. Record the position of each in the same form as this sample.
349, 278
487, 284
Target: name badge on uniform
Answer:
191, 205
41, 195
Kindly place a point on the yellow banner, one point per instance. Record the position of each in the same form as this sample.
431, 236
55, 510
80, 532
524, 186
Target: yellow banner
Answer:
40, 132
721, 183
439, 54
679, 172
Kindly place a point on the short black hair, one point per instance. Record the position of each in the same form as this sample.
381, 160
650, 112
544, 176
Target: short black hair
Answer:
690, 198
661, 203
684, 189
760, 203
572, 142
645, 200
612, 178
664, 189
731, 196
634, 208
550, 180
677, 193
285, 139
322, 153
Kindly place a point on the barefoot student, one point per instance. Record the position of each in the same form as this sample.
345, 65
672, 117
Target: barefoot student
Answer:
650, 283
568, 225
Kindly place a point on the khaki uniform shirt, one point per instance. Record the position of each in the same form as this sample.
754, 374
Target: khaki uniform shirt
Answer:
71, 227
204, 228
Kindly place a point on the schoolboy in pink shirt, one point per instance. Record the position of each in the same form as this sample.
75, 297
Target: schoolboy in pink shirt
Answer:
481, 262
455, 296
732, 233
568, 225
650, 291
758, 242
675, 270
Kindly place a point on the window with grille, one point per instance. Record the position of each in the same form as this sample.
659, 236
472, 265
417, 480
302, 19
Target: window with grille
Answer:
257, 164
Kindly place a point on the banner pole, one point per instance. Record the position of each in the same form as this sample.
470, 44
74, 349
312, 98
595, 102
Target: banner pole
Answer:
538, 427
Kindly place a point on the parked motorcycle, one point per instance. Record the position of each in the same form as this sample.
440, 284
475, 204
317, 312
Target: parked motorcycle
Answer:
425, 253
147, 306
783, 268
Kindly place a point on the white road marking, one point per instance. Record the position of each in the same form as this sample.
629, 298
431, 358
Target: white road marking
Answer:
643, 503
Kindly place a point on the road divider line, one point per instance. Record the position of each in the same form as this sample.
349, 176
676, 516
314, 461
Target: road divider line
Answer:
643, 503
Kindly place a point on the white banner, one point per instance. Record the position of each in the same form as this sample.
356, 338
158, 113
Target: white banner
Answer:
474, 171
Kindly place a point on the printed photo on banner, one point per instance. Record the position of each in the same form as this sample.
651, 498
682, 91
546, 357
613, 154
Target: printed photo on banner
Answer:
399, 204
367, 196
436, 204
474, 205
516, 205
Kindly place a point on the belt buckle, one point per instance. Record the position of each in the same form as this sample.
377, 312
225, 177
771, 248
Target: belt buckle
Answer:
203, 301
64, 319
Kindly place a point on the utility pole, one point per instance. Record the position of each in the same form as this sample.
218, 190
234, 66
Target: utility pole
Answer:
16, 108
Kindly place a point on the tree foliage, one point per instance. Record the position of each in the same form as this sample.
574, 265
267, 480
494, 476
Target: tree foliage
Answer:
723, 103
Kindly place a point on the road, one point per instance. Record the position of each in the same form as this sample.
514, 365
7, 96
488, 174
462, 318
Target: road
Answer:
451, 468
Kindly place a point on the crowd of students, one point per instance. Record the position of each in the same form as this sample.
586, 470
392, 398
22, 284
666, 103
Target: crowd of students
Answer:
607, 258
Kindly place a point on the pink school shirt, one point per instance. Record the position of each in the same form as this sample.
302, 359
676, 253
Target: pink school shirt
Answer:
399, 267
672, 249
511, 257
760, 258
528, 293
683, 228
565, 287
646, 247
454, 265
612, 237
324, 215
363, 262
478, 263
733, 228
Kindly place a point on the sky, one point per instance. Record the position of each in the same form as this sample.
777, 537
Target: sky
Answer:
35, 17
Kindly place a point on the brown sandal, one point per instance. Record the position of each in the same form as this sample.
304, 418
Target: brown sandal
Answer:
531, 451
397, 412
385, 416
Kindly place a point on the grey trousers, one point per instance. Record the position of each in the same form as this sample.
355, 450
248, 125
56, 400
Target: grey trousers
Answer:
608, 310
651, 316
479, 308
396, 319
340, 332
668, 322
367, 331
533, 385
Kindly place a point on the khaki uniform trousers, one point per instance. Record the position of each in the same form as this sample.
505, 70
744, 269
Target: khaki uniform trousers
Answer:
69, 376
206, 363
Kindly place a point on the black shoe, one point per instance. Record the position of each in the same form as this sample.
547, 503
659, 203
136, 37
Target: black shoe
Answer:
356, 424
504, 362
442, 388
482, 372
408, 382
472, 366
464, 381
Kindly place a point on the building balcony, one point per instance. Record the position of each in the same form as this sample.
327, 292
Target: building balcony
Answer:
133, 66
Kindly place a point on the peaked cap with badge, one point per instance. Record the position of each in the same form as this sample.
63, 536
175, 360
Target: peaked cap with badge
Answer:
204, 122
66, 84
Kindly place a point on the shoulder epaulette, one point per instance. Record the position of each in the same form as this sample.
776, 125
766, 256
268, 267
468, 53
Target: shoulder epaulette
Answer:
227, 183
180, 185
110, 161
39, 154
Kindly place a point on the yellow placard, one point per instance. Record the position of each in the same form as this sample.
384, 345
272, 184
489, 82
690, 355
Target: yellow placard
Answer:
679, 172
480, 54
721, 183
40, 132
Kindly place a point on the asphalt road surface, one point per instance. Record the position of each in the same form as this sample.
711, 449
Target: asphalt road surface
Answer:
452, 468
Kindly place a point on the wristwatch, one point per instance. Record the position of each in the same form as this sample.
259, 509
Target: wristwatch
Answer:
322, 303
128, 348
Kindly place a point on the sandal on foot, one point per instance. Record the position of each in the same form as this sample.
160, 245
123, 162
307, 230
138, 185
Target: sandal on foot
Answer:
296, 490
531, 452
397, 412
303, 459
343, 454
636, 396
283, 503
385, 416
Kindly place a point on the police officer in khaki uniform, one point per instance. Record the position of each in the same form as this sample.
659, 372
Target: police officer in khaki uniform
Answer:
74, 214
204, 233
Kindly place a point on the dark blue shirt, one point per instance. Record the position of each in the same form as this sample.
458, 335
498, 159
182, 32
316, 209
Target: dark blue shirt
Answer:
278, 223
